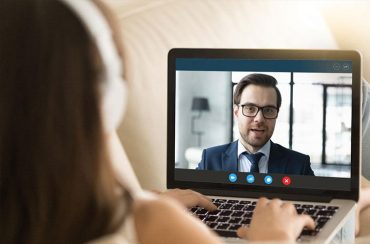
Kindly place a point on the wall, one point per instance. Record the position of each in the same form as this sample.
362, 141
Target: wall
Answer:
151, 28
349, 22
215, 124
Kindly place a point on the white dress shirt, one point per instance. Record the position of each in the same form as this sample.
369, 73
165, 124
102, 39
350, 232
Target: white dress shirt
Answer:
245, 164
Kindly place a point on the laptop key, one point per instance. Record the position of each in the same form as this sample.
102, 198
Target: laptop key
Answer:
211, 218
307, 206
214, 212
220, 200
194, 209
333, 208
249, 208
223, 219
320, 207
314, 217
222, 226
238, 207
326, 213
226, 213
201, 211
235, 220
211, 224
300, 210
320, 225
246, 221
311, 212
234, 226
226, 206
201, 216
322, 219
248, 214
237, 213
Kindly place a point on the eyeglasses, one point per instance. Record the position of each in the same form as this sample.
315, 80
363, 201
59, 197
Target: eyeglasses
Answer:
268, 112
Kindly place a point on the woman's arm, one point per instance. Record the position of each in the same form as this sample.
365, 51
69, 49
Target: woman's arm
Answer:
363, 202
162, 220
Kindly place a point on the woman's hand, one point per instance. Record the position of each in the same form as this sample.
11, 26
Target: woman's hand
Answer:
363, 202
275, 221
189, 198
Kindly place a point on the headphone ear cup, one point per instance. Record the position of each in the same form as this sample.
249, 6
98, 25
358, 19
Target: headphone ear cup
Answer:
114, 99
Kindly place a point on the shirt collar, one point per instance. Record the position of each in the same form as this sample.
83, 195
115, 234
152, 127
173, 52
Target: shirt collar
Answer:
265, 149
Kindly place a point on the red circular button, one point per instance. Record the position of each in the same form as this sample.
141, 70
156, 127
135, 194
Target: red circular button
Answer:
286, 180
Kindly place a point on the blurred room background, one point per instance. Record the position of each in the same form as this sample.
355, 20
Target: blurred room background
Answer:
150, 28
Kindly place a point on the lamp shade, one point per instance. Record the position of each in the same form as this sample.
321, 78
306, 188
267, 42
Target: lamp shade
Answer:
200, 104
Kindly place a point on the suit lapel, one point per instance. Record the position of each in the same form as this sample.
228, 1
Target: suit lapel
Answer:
276, 163
230, 157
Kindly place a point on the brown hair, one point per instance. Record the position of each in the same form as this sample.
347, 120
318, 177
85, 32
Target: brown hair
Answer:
259, 80
56, 184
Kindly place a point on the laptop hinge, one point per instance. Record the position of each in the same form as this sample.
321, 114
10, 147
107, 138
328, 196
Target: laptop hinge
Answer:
291, 197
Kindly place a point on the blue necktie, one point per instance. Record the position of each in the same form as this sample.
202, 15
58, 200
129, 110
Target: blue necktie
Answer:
254, 159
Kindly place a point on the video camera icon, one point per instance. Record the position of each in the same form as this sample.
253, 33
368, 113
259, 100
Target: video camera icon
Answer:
233, 177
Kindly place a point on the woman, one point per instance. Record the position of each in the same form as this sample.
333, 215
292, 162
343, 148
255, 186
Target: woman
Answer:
61, 101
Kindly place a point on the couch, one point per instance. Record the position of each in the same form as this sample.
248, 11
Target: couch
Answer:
150, 28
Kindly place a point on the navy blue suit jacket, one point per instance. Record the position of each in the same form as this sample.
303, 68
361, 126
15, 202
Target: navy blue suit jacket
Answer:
281, 160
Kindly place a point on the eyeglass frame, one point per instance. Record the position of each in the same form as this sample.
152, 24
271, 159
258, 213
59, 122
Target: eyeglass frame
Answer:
258, 109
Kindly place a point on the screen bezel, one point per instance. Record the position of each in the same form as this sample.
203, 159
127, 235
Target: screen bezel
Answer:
280, 54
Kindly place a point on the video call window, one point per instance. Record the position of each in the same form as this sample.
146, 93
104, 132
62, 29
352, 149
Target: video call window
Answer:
314, 118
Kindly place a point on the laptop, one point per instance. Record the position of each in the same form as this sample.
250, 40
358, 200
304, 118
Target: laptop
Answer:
319, 120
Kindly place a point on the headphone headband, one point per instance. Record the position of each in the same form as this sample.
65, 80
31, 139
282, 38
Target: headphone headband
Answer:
112, 85
98, 29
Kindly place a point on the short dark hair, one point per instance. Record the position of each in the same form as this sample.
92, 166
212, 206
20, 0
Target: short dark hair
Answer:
259, 80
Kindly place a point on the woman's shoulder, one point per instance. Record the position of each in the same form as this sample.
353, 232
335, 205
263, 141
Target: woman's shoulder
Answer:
164, 220
127, 233
159, 219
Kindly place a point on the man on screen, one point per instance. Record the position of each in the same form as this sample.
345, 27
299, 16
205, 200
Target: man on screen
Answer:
256, 107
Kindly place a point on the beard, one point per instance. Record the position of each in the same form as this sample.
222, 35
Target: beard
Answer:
255, 142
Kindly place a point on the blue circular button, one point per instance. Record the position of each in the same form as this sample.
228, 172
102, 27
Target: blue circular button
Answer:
232, 177
250, 179
268, 179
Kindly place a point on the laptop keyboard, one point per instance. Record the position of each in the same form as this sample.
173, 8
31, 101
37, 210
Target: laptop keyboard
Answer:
232, 214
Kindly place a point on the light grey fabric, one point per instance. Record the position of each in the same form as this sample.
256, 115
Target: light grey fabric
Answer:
365, 129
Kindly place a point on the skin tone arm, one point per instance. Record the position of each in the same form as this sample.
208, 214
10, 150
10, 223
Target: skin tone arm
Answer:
189, 198
163, 220
363, 202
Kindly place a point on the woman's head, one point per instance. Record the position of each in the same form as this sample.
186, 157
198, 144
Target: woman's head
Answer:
55, 181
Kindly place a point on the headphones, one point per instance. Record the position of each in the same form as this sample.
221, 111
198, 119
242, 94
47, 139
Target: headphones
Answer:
113, 89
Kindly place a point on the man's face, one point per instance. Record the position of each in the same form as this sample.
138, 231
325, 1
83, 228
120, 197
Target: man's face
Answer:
255, 131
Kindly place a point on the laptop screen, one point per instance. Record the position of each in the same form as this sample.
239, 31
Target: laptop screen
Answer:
264, 120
